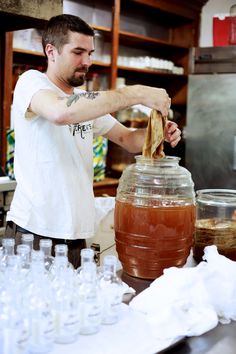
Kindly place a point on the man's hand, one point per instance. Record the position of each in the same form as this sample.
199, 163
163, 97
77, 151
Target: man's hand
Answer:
171, 133
155, 98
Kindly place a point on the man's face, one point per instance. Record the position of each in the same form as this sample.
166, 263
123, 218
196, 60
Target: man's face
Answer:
74, 59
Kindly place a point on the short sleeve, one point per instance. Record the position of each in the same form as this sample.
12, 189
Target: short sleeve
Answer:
27, 85
103, 124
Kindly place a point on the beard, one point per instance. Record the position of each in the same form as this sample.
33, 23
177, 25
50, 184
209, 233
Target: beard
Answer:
75, 81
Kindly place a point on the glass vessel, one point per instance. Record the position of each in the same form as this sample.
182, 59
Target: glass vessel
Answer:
154, 216
216, 222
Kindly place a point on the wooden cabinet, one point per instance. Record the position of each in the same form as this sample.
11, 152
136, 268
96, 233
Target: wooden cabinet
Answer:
156, 29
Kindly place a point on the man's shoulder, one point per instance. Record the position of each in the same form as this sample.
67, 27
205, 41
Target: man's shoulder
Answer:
31, 79
31, 73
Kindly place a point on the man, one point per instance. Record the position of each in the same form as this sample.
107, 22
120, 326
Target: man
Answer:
55, 123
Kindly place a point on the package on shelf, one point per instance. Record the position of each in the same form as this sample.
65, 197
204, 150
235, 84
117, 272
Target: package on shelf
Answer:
100, 15
100, 146
29, 39
10, 153
106, 56
142, 25
85, 11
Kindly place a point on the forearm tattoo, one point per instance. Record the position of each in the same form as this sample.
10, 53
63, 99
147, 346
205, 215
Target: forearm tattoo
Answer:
90, 95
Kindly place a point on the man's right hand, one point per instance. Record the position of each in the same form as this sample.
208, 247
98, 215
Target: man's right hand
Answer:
152, 97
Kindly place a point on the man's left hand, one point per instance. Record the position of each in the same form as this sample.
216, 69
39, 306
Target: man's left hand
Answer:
172, 133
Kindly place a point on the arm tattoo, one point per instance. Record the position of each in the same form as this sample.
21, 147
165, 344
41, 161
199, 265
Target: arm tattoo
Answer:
90, 95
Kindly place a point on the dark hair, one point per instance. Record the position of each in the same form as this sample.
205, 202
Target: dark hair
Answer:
56, 31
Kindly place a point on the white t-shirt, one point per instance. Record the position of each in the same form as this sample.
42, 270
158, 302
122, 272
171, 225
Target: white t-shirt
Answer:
53, 167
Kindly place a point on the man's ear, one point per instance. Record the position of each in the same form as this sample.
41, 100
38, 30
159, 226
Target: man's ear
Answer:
50, 52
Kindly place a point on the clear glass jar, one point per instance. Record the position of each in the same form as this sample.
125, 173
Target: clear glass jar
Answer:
215, 222
154, 216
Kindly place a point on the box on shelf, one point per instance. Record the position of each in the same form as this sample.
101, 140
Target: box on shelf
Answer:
30, 39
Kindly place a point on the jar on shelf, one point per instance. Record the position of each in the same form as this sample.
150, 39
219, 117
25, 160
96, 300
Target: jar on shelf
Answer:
99, 45
215, 222
154, 216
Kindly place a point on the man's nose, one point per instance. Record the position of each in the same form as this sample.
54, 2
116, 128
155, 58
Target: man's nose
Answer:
86, 60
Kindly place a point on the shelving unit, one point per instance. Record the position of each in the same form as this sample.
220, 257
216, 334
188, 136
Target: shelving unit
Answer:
156, 28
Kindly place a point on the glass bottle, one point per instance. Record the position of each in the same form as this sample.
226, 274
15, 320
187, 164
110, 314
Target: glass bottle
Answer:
28, 239
24, 252
1, 263
154, 216
86, 255
45, 245
38, 300
111, 290
61, 250
66, 302
8, 250
14, 322
89, 300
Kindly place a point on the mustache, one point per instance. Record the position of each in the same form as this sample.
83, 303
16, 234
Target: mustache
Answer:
82, 69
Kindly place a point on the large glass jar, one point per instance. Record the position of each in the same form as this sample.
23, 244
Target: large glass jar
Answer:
154, 216
216, 222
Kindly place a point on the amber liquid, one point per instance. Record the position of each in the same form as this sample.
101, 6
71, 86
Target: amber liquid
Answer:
215, 231
149, 239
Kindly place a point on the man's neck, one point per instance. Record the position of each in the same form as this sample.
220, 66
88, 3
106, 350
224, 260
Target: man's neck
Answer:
59, 83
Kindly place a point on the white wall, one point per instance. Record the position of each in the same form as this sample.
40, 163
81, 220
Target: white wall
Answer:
212, 7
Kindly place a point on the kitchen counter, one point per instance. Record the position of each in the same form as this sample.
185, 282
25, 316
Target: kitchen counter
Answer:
6, 184
221, 339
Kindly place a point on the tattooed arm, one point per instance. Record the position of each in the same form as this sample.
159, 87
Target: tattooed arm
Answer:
85, 106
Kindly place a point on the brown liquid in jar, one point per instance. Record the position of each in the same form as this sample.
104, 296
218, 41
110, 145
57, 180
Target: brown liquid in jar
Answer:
215, 231
149, 239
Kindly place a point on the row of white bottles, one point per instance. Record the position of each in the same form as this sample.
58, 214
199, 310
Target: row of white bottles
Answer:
44, 300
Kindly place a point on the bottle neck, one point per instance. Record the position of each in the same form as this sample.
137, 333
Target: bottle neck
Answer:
61, 251
8, 251
88, 272
60, 262
87, 255
37, 262
109, 265
25, 257
46, 251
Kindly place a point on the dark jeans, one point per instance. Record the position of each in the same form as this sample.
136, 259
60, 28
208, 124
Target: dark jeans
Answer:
74, 246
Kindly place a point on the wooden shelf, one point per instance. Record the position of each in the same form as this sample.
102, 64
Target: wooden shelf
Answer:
101, 63
135, 39
101, 28
106, 187
176, 8
28, 52
151, 72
